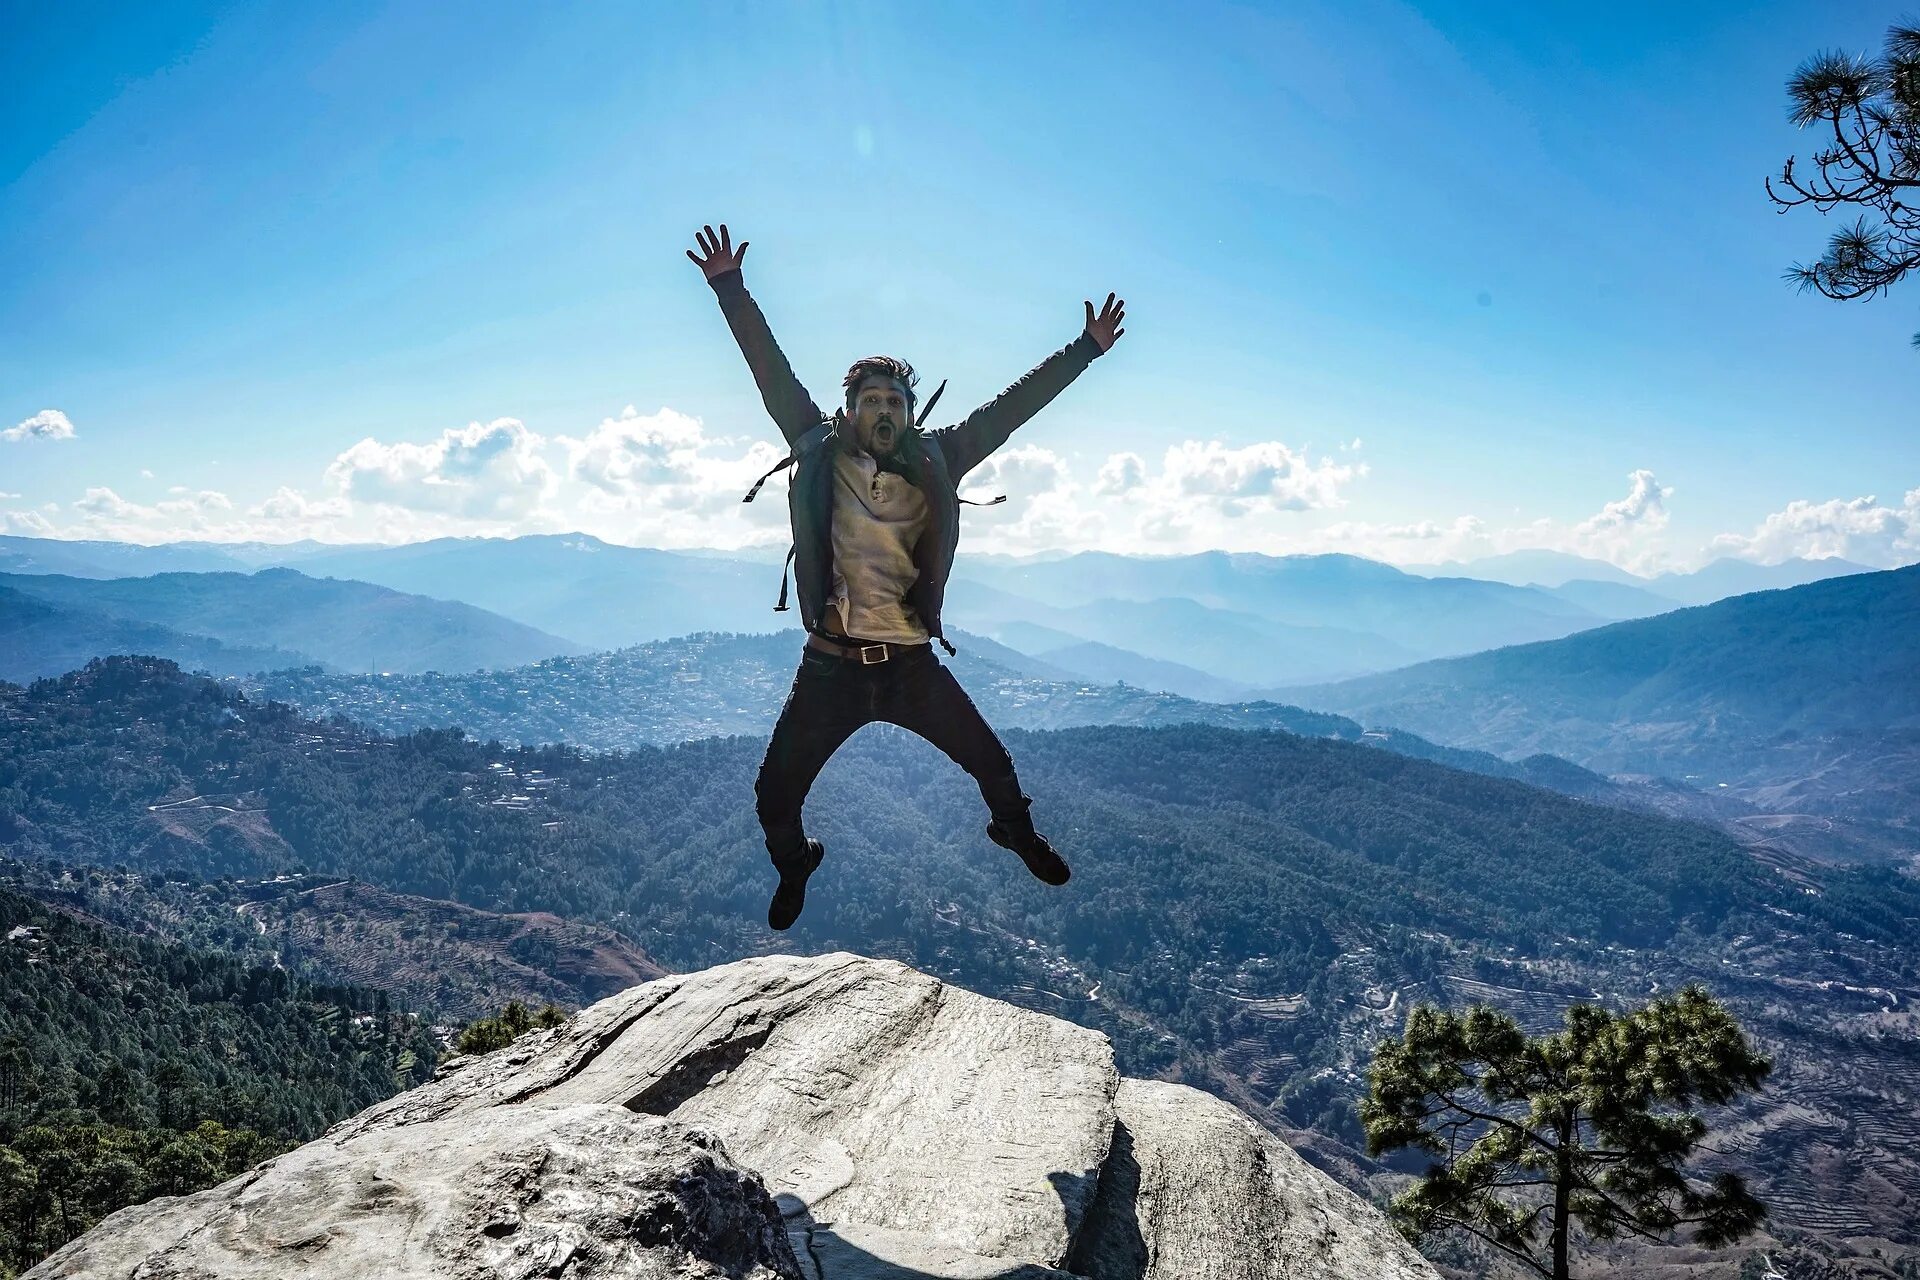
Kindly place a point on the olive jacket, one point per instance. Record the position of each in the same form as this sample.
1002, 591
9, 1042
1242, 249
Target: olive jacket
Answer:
947, 455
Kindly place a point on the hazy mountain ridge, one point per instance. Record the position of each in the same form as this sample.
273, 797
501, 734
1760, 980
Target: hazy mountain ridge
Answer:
1801, 699
1406, 615
1250, 909
1716, 580
1243, 624
43, 638
342, 625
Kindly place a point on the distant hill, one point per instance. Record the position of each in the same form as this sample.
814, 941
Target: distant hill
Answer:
1107, 664
574, 585
709, 685
1536, 568
1613, 599
1232, 646
1805, 699
452, 961
1394, 611
94, 559
1319, 617
712, 685
1718, 580
42, 638
1243, 619
302, 620
1728, 577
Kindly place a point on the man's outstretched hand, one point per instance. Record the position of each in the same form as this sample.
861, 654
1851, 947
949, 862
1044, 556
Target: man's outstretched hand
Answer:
1105, 327
722, 257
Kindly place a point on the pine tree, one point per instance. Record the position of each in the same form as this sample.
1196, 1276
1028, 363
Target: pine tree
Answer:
1866, 114
1590, 1125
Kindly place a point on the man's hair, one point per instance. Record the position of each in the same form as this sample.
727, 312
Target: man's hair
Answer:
886, 367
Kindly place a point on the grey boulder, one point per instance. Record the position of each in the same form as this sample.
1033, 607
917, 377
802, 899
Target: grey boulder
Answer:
833, 1117
583, 1191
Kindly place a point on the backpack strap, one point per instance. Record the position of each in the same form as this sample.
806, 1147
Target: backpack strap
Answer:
782, 606
932, 400
782, 465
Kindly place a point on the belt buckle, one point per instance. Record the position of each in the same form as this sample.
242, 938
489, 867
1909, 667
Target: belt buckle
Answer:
865, 649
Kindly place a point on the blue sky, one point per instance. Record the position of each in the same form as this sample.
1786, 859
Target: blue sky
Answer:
1414, 281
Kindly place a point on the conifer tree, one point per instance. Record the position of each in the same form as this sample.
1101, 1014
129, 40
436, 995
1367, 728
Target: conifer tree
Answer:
1866, 114
1591, 1125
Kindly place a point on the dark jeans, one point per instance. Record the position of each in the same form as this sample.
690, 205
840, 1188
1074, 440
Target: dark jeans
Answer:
833, 697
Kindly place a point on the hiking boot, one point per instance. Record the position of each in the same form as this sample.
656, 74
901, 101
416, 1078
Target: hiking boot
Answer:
792, 893
1032, 848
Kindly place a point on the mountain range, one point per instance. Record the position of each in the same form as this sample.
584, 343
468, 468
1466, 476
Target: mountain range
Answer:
715, 685
232, 622
1215, 625
1717, 580
1250, 910
39, 638
1803, 701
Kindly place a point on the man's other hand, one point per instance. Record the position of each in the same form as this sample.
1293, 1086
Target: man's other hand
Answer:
722, 257
1105, 327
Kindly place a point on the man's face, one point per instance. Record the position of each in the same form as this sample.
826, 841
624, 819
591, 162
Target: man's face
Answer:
880, 416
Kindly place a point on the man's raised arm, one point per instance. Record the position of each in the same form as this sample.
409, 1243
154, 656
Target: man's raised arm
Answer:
786, 399
967, 443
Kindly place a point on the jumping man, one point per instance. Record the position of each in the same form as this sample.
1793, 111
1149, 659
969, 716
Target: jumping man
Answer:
876, 517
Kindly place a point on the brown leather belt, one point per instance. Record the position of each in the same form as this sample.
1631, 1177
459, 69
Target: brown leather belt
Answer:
864, 653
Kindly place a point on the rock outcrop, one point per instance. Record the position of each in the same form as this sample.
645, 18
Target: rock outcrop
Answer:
819, 1118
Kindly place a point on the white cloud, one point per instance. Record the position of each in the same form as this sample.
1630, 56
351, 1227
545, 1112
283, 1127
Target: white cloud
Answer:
664, 479
1203, 494
663, 468
48, 424
105, 504
189, 514
30, 524
1027, 470
1268, 475
1460, 529
1644, 508
292, 505
1120, 473
490, 473
1857, 529
652, 479
1628, 532
1045, 506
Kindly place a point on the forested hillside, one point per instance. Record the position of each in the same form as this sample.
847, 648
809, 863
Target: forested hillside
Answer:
40, 638
711, 685
1802, 700
442, 959
1249, 909
131, 1068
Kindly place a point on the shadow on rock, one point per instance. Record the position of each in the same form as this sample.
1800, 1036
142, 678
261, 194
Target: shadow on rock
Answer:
829, 1250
